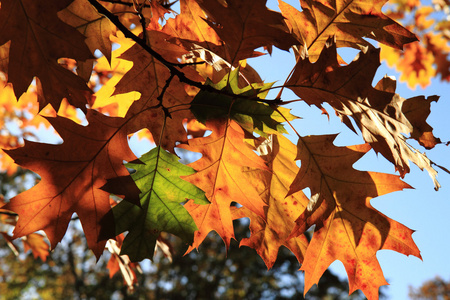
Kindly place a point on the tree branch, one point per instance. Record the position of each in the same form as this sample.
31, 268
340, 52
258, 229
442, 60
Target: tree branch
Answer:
171, 66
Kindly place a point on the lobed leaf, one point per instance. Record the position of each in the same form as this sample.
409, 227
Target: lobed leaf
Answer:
347, 227
162, 194
246, 25
349, 21
245, 109
381, 115
72, 175
38, 39
220, 175
270, 233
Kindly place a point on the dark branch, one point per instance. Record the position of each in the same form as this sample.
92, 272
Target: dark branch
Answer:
130, 4
173, 67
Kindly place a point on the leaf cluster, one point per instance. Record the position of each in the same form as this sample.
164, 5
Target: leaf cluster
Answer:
184, 78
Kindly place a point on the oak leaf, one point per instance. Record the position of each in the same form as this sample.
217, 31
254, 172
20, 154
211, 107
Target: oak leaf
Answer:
350, 21
378, 113
190, 28
246, 25
36, 243
97, 29
121, 263
151, 77
347, 227
415, 64
38, 39
72, 175
106, 101
162, 194
268, 235
241, 105
220, 176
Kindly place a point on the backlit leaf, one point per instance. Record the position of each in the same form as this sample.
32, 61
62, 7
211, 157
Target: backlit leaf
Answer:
379, 114
162, 194
220, 175
268, 235
38, 39
347, 227
252, 115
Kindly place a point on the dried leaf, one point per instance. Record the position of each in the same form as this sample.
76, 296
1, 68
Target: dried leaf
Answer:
379, 114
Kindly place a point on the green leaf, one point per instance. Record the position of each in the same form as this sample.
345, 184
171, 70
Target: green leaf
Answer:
251, 114
162, 194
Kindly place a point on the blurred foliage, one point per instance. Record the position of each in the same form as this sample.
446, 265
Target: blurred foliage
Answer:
435, 289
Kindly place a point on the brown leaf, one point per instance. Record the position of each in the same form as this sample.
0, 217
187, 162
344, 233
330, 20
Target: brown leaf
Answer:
244, 25
38, 39
379, 114
348, 20
347, 228
72, 176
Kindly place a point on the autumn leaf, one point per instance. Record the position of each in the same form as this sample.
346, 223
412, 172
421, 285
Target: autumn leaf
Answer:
106, 101
268, 235
190, 29
72, 175
195, 128
347, 228
220, 176
121, 263
439, 46
350, 21
379, 113
149, 76
36, 243
246, 25
38, 39
162, 194
244, 108
97, 28
419, 63
415, 64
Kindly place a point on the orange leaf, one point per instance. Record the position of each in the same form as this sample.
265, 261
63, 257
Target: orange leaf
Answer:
267, 236
73, 174
219, 175
347, 228
149, 77
36, 243
438, 45
190, 25
349, 21
38, 39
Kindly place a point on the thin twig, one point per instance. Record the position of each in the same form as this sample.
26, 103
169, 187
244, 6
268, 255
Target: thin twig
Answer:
172, 66
130, 4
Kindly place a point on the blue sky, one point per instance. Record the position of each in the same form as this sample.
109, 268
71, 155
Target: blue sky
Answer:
421, 209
